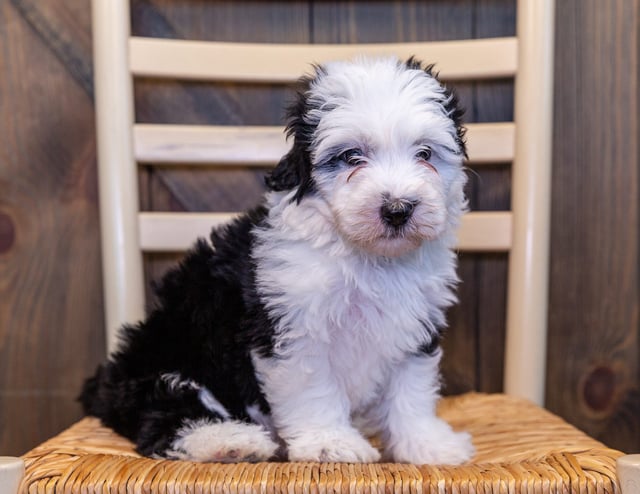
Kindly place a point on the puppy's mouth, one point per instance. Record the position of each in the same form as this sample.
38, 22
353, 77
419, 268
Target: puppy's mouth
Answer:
395, 228
396, 241
394, 244
403, 232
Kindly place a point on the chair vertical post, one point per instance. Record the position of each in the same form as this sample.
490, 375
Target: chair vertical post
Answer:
525, 359
121, 256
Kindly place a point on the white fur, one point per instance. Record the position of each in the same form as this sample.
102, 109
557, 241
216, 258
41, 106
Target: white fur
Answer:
254, 412
175, 382
390, 113
209, 401
340, 348
353, 302
406, 414
222, 442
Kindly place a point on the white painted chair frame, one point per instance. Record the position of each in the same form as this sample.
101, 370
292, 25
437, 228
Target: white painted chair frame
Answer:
11, 474
126, 233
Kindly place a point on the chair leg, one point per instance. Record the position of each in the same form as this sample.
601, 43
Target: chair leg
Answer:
629, 473
11, 473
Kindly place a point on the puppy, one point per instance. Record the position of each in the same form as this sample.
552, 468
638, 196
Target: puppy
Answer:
315, 318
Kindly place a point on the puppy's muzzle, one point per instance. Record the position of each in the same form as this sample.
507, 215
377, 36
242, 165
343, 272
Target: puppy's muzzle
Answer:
396, 212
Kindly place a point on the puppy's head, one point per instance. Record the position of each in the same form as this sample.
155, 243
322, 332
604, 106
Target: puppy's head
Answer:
382, 143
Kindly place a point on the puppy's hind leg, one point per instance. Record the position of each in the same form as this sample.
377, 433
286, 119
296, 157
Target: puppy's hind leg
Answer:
186, 422
207, 440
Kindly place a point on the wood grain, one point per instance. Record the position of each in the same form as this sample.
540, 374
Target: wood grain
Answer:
594, 346
50, 283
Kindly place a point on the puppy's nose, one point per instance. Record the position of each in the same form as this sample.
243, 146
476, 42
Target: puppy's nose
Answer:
396, 212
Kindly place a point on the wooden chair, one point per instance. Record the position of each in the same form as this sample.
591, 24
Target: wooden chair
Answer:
520, 446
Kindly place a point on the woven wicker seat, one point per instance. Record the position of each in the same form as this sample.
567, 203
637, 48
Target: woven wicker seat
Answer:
520, 448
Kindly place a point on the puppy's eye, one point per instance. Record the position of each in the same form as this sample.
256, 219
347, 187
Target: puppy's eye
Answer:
352, 157
424, 154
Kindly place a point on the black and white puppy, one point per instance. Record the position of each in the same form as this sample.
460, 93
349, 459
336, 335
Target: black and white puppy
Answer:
314, 319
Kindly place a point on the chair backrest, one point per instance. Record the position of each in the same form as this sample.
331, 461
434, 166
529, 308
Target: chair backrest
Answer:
523, 231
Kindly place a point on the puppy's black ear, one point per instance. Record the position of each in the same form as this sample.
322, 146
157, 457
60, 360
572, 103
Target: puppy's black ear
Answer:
294, 169
285, 176
455, 112
451, 106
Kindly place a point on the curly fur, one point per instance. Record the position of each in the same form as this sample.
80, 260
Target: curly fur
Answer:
317, 316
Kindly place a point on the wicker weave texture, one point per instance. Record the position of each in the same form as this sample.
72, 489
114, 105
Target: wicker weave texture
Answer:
520, 449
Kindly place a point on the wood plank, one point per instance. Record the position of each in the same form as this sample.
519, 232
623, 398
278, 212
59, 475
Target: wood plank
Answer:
51, 327
245, 146
493, 194
254, 62
265, 145
493, 103
32, 416
488, 231
245, 21
594, 341
176, 232
63, 31
391, 21
199, 102
173, 232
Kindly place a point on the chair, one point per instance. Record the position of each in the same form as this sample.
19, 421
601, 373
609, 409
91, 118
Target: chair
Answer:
520, 446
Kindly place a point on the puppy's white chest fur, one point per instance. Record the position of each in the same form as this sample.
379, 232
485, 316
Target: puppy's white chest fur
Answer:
336, 307
367, 336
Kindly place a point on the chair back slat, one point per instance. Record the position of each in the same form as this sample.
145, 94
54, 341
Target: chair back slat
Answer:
263, 146
267, 63
176, 232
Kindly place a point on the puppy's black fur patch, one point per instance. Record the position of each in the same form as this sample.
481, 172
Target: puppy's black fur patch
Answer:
453, 108
294, 169
208, 319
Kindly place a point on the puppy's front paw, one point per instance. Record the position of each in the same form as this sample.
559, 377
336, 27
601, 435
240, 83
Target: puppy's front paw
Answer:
341, 445
439, 445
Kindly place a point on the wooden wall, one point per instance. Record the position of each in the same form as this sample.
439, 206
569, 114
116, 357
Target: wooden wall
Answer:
51, 330
50, 282
593, 374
